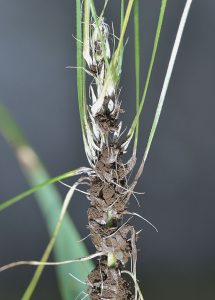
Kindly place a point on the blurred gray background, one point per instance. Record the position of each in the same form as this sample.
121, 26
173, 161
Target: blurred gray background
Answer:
36, 45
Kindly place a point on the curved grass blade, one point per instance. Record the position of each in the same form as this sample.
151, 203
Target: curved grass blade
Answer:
34, 189
50, 263
49, 202
154, 51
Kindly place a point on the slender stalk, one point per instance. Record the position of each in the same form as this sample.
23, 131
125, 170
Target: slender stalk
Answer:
154, 51
79, 61
137, 63
122, 17
124, 26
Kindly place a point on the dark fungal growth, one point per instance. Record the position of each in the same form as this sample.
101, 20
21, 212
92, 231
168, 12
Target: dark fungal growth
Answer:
105, 283
109, 190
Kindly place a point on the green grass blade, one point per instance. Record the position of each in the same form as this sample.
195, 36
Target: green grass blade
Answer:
122, 16
79, 58
137, 62
86, 34
168, 76
154, 51
103, 10
10, 129
122, 34
50, 203
34, 189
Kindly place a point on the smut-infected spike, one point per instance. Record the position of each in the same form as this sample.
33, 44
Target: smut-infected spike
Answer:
109, 192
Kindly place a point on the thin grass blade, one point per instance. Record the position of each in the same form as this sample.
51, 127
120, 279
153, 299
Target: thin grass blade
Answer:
137, 63
168, 76
23, 195
79, 57
154, 51
122, 34
122, 17
165, 87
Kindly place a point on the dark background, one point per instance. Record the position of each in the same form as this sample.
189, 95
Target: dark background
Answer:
36, 44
